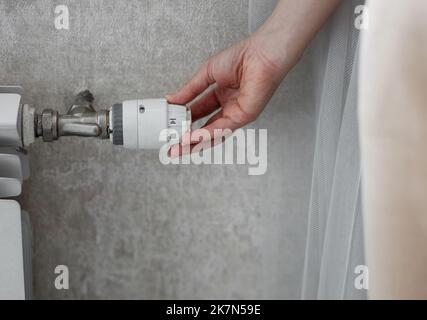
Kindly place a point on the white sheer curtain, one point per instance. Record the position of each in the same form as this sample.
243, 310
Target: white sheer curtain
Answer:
334, 237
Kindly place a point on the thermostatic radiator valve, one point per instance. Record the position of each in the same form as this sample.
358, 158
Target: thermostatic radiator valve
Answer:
134, 124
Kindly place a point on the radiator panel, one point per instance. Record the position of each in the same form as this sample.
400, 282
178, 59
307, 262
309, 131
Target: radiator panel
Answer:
15, 229
12, 280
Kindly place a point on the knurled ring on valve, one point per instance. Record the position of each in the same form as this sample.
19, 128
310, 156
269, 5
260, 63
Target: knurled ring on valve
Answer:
49, 125
117, 122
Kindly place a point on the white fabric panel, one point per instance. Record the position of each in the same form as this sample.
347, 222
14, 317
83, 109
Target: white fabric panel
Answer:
334, 237
393, 131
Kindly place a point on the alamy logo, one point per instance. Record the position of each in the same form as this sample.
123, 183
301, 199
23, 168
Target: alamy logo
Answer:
62, 18
62, 280
362, 20
361, 282
219, 148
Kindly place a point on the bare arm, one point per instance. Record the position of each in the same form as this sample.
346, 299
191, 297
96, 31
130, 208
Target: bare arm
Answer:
247, 74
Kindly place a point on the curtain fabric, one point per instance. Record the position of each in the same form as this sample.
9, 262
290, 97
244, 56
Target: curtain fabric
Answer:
334, 244
393, 133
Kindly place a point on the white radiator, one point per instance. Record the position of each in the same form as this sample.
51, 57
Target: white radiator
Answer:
15, 230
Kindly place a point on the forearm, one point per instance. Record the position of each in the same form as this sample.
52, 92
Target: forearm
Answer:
290, 29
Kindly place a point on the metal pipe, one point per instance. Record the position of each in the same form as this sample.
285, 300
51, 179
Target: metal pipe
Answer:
82, 120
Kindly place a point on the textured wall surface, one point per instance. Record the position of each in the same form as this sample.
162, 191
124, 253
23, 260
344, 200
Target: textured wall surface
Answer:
124, 224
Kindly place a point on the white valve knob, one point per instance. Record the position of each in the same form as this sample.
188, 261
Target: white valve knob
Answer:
148, 123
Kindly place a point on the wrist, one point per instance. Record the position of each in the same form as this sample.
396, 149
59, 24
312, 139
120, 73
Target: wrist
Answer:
276, 46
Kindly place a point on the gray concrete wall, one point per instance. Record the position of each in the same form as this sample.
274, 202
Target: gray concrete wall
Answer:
125, 225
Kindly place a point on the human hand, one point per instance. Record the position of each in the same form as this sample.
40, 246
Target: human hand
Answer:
244, 78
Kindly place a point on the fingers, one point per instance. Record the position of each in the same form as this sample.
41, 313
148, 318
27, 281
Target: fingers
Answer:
178, 150
216, 129
213, 133
202, 139
215, 117
199, 83
205, 106
213, 130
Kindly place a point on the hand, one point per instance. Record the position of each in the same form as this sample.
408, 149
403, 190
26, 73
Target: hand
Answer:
245, 76
244, 79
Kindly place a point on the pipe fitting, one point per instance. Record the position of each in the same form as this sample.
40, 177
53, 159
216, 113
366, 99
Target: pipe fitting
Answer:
81, 120
49, 125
